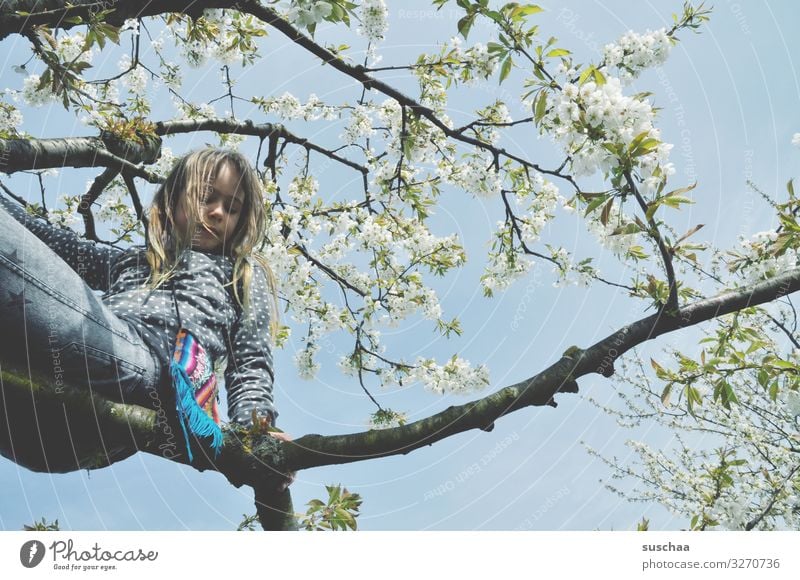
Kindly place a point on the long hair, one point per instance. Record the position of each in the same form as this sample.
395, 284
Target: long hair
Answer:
186, 187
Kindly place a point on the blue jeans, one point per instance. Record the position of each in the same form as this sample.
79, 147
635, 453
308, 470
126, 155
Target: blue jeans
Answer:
55, 325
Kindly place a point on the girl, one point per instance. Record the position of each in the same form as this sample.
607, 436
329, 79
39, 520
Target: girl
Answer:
198, 271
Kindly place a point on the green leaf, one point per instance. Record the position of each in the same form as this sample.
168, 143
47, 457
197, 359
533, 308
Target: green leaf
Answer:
660, 371
783, 364
665, 395
526, 10
334, 492
505, 68
558, 52
649, 144
110, 31
651, 209
644, 147
465, 24
337, 13
79, 67
773, 391
540, 107
691, 232
693, 398
723, 392
606, 213
585, 75
675, 201
638, 139
637, 253
407, 145
493, 47
594, 204
44, 81
681, 190
599, 78
627, 229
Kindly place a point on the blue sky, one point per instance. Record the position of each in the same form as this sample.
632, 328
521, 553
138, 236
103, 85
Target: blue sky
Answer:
729, 104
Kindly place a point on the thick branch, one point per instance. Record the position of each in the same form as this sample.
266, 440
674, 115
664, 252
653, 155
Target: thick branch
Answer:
539, 390
258, 460
59, 428
24, 154
54, 12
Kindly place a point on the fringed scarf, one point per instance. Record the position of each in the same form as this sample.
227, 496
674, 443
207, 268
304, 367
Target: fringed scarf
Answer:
195, 384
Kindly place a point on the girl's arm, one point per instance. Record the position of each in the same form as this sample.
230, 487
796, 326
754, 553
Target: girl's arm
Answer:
249, 376
90, 260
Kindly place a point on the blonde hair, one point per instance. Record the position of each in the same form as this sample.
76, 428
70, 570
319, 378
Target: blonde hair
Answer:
187, 184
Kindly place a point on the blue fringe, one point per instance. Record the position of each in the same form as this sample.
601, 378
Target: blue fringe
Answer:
199, 423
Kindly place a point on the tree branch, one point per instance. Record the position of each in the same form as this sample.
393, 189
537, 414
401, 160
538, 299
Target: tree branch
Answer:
58, 428
666, 255
88, 198
54, 12
23, 154
258, 460
359, 73
539, 390
262, 130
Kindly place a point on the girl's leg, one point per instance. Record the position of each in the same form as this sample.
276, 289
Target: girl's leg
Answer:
55, 324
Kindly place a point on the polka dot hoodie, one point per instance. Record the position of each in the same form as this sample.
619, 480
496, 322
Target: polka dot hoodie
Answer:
205, 299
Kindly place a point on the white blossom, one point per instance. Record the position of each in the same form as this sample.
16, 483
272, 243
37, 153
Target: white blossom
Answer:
756, 261
10, 118
287, 106
613, 117
456, 376
304, 13
307, 367
373, 15
303, 188
607, 235
33, 96
69, 48
634, 52
360, 125
134, 80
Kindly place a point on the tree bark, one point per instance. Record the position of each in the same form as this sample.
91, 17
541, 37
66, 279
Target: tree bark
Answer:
104, 151
20, 16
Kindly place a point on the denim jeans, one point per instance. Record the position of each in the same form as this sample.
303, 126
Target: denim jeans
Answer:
54, 324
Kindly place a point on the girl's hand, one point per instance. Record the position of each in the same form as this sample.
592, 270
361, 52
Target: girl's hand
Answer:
265, 426
280, 435
283, 486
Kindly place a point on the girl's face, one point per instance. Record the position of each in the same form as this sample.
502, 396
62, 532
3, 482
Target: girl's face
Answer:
219, 212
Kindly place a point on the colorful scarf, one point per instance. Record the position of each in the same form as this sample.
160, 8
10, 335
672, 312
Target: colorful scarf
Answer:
195, 383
